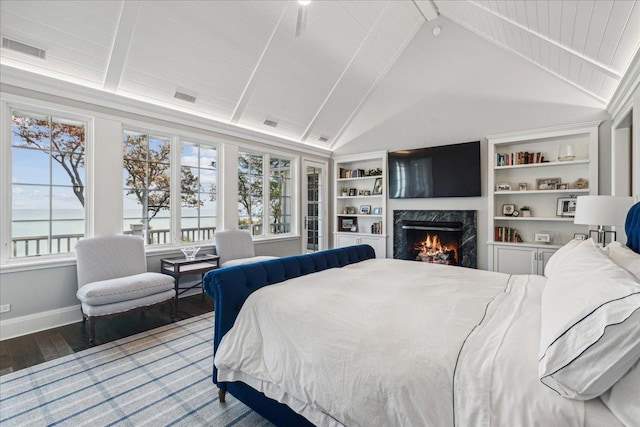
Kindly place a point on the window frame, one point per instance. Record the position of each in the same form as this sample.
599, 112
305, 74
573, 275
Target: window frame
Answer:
294, 160
9, 105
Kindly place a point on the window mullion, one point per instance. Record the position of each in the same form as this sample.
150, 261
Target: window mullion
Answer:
266, 198
176, 190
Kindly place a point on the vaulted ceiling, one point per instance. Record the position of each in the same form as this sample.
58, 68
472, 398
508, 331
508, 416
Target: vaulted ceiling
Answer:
298, 72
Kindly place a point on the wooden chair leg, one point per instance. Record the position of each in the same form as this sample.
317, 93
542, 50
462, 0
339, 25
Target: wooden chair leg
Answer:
221, 395
92, 330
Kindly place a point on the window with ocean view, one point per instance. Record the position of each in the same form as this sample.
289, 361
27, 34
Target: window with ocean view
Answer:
255, 191
47, 184
199, 192
147, 187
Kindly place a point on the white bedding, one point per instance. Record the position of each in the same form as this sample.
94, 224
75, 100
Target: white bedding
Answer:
356, 346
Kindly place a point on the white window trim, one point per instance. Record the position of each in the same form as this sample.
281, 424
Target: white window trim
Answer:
8, 104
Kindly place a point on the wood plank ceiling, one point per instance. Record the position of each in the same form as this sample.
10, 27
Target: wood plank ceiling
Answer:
244, 64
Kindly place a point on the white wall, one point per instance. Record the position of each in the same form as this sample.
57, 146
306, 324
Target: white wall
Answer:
43, 295
494, 91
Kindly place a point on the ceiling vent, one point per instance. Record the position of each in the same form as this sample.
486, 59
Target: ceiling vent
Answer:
323, 138
23, 48
185, 97
271, 123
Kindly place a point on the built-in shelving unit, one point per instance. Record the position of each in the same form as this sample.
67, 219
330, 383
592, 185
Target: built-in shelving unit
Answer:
525, 170
360, 213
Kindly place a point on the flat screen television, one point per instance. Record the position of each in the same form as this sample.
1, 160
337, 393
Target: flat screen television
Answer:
443, 171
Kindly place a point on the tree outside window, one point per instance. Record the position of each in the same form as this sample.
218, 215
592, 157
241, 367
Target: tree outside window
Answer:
47, 184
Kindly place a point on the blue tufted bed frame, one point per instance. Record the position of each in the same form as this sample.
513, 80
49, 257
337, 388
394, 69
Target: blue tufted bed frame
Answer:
230, 287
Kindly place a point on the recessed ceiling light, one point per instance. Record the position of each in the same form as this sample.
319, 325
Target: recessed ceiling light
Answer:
24, 48
304, 2
271, 123
185, 97
436, 31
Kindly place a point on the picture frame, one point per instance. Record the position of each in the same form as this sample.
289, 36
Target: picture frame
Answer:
503, 187
377, 211
547, 183
522, 186
508, 209
365, 209
352, 192
351, 210
580, 236
566, 207
377, 186
562, 186
348, 223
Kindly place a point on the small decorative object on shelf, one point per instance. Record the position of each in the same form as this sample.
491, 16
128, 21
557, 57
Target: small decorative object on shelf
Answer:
190, 252
508, 209
345, 192
566, 207
503, 187
374, 172
364, 193
562, 186
522, 186
377, 186
377, 211
581, 184
515, 213
525, 211
547, 183
566, 153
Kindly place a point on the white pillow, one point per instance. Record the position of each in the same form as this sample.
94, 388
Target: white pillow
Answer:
623, 399
624, 256
559, 256
590, 315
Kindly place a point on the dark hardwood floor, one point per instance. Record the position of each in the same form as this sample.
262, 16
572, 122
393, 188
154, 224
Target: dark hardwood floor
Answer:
23, 352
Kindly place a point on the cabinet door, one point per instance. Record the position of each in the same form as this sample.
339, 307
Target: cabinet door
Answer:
543, 257
377, 243
514, 260
342, 240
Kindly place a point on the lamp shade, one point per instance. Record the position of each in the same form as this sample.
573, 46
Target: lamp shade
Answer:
602, 210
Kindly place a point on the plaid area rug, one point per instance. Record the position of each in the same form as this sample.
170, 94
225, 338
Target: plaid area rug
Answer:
158, 378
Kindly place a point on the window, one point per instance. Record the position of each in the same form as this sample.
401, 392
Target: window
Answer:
147, 187
47, 184
255, 191
199, 192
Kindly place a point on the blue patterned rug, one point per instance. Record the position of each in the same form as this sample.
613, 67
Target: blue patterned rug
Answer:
157, 378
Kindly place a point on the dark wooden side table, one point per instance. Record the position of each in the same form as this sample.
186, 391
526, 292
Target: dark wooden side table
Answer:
178, 267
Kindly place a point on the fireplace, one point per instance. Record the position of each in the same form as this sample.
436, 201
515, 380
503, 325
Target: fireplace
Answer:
440, 237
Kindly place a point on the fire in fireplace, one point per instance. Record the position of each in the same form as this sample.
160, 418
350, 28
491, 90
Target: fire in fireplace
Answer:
431, 249
434, 242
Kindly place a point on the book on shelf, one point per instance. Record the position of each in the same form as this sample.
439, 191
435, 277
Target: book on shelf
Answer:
506, 234
351, 173
519, 158
376, 227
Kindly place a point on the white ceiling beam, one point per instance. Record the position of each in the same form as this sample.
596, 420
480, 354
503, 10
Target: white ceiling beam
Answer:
601, 67
121, 42
311, 124
427, 8
241, 105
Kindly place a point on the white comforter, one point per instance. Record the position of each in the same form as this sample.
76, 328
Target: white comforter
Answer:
381, 341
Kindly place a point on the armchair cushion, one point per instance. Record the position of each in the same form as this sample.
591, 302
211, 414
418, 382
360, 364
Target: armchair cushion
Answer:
241, 261
124, 288
124, 306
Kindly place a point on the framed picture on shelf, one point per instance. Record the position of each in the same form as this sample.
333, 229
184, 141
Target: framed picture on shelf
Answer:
562, 186
352, 192
348, 224
365, 209
508, 209
351, 210
522, 186
503, 187
547, 183
377, 186
377, 211
566, 207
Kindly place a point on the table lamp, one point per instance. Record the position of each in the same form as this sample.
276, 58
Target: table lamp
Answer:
602, 211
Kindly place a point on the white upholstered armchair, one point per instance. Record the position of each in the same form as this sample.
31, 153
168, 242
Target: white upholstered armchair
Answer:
235, 247
113, 278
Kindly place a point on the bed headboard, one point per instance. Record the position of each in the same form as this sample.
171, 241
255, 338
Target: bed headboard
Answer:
231, 286
632, 228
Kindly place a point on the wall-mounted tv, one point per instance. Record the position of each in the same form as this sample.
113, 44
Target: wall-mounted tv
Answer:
443, 171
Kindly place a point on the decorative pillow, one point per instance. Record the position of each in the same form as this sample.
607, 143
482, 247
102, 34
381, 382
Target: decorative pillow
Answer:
590, 316
623, 399
624, 256
559, 256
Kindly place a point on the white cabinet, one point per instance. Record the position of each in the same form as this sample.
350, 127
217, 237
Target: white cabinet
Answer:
544, 170
520, 259
360, 210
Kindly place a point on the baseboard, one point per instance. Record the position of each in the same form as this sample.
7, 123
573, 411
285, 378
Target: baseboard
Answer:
31, 323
